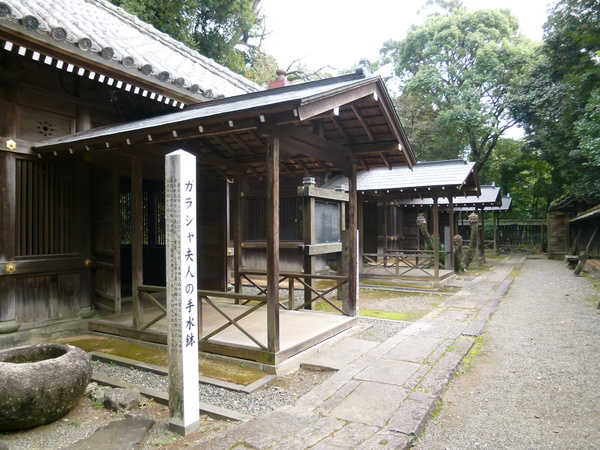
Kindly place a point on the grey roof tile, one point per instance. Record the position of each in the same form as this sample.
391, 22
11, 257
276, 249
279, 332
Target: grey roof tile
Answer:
449, 173
110, 28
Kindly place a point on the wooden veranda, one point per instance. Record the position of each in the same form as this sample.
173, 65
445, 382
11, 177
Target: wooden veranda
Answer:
270, 139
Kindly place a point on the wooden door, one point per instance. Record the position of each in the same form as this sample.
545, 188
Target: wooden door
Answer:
212, 235
557, 236
106, 240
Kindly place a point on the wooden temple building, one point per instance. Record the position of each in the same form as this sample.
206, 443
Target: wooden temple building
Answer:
89, 108
391, 204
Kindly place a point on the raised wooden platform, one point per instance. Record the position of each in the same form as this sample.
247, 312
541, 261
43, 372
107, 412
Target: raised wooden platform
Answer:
299, 331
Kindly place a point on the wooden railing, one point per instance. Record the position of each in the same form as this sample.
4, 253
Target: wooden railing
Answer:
245, 299
399, 263
253, 301
306, 281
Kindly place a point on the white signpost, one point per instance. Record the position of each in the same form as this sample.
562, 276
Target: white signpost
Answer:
182, 296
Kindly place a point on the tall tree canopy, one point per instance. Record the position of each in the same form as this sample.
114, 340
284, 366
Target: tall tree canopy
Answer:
559, 104
221, 30
457, 71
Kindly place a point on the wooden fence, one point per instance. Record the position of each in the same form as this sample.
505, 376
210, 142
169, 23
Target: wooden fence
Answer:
513, 234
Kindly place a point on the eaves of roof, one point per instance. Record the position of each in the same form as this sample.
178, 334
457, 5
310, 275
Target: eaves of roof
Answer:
102, 38
425, 180
356, 117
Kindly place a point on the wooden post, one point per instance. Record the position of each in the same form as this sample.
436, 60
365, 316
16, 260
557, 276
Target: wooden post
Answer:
184, 312
496, 224
273, 244
309, 238
137, 235
361, 228
452, 231
436, 238
353, 281
482, 237
237, 233
115, 224
385, 233
8, 323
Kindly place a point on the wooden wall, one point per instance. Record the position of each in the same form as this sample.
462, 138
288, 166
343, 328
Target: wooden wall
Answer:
55, 279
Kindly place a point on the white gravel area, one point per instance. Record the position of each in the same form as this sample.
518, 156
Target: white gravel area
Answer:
535, 383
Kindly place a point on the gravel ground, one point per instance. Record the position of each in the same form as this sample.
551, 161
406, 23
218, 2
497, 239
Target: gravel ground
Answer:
86, 417
535, 381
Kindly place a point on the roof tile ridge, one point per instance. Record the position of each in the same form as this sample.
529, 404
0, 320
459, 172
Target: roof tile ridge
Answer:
175, 45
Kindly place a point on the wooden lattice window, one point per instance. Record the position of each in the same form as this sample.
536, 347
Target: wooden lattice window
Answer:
290, 219
45, 208
153, 216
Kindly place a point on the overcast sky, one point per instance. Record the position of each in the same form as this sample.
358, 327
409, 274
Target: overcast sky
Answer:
341, 32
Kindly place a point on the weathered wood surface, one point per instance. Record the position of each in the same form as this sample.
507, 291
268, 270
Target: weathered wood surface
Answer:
273, 244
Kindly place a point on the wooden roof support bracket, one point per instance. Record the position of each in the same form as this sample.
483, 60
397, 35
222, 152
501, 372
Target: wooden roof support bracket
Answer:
311, 145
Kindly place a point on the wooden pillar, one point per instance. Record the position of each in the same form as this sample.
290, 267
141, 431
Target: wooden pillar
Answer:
353, 246
482, 235
496, 224
237, 233
137, 234
8, 311
309, 237
452, 231
385, 232
361, 227
436, 238
273, 244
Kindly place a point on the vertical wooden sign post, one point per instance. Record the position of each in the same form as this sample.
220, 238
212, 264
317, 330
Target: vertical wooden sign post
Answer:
182, 295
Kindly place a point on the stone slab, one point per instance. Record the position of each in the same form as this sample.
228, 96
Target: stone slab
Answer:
412, 416
126, 434
340, 355
350, 436
370, 403
309, 436
387, 439
416, 349
388, 371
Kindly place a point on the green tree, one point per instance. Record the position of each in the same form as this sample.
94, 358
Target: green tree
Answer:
522, 174
559, 102
461, 66
228, 32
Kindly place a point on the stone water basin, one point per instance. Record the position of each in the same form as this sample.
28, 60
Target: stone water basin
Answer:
40, 383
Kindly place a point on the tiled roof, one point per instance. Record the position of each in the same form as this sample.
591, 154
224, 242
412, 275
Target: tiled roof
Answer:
230, 132
98, 28
296, 94
437, 177
490, 196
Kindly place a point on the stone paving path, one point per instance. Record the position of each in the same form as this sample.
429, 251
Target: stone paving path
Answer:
382, 395
535, 382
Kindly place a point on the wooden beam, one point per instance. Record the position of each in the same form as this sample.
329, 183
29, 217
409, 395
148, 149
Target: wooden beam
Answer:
273, 244
242, 144
298, 141
316, 107
353, 245
363, 123
341, 129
